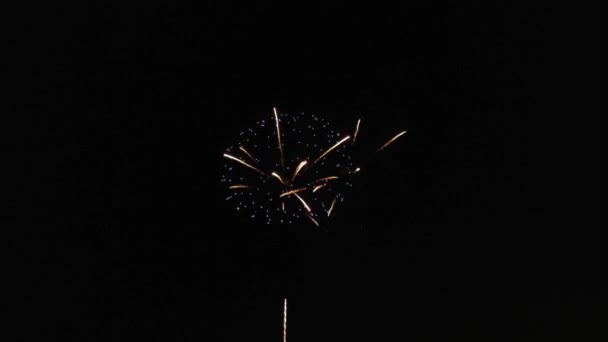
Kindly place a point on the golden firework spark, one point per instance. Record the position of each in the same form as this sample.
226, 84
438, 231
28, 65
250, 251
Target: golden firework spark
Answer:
331, 148
247, 153
303, 202
292, 192
300, 166
357, 170
239, 186
274, 174
244, 163
325, 179
332, 206
283, 205
391, 141
276, 119
356, 131
318, 187
312, 219
285, 320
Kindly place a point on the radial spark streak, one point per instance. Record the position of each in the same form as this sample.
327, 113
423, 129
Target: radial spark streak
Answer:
276, 119
331, 207
331, 148
247, 153
239, 186
318, 187
325, 179
300, 166
244, 163
312, 219
391, 141
274, 174
290, 192
303, 202
356, 131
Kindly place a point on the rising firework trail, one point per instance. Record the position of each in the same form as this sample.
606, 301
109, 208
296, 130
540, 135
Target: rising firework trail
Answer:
285, 320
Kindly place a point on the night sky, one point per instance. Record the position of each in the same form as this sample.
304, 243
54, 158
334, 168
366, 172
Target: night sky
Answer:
454, 232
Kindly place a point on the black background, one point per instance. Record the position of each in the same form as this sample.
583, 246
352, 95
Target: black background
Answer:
456, 231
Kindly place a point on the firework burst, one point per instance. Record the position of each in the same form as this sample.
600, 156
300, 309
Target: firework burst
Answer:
289, 168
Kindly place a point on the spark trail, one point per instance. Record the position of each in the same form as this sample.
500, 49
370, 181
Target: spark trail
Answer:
276, 175
300, 166
331, 207
244, 163
239, 186
391, 141
331, 149
276, 118
356, 131
292, 192
247, 153
303, 202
